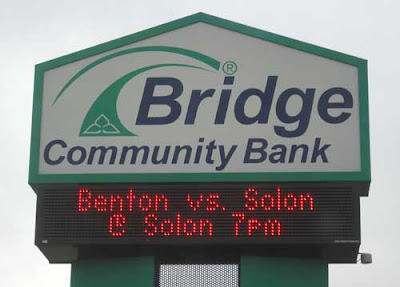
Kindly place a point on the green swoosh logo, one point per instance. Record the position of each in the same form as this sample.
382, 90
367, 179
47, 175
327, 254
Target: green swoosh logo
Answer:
175, 50
102, 118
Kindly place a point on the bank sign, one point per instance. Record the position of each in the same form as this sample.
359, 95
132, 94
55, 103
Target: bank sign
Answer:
201, 99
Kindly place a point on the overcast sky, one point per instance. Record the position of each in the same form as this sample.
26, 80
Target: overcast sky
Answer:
36, 31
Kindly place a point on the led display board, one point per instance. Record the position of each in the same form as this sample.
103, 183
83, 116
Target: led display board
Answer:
202, 214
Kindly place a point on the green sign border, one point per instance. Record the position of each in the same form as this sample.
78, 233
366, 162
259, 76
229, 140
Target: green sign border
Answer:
362, 179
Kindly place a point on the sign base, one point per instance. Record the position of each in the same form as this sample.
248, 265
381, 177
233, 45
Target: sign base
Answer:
254, 271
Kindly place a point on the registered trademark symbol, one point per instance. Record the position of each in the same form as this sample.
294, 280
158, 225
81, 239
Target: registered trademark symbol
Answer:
229, 68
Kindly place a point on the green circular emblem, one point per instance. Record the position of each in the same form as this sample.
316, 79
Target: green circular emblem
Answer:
229, 67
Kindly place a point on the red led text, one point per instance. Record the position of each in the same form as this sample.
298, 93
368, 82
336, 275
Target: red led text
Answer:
178, 226
268, 227
116, 226
209, 202
121, 202
250, 212
277, 201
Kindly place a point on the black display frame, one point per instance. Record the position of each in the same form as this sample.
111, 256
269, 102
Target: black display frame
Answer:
69, 251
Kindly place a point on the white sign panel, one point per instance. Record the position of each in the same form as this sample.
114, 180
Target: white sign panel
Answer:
202, 99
